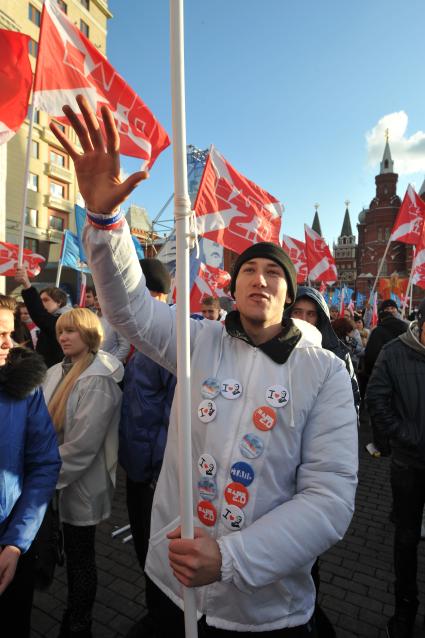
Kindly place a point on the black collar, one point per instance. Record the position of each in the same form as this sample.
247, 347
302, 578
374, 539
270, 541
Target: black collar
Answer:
278, 348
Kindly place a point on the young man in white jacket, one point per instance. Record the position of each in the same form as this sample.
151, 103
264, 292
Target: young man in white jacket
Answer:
274, 431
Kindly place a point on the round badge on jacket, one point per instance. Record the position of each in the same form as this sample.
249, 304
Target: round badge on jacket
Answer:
207, 411
251, 446
207, 488
264, 418
236, 494
233, 517
242, 472
277, 396
231, 389
207, 513
210, 388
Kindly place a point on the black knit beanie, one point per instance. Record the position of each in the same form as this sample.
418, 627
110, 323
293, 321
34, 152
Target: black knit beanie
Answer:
387, 303
267, 250
156, 274
421, 314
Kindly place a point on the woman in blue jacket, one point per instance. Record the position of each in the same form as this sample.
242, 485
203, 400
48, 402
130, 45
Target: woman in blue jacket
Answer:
29, 467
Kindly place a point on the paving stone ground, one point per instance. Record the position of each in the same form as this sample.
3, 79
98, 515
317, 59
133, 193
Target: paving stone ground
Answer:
356, 590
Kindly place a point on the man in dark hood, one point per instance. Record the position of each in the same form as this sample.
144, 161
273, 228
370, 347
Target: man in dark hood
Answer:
310, 306
389, 327
396, 402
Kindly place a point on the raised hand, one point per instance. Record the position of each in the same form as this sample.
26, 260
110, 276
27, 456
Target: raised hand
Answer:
98, 166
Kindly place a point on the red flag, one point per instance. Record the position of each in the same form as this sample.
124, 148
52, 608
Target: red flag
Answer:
418, 266
69, 64
15, 82
322, 288
9, 260
209, 282
321, 264
374, 321
232, 210
410, 219
296, 250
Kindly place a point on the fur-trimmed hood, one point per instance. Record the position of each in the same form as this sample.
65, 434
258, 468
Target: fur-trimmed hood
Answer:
24, 371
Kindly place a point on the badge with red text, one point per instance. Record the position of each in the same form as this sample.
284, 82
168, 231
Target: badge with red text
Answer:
233, 517
236, 494
251, 446
210, 388
207, 488
277, 396
207, 411
264, 418
207, 465
207, 513
231, 389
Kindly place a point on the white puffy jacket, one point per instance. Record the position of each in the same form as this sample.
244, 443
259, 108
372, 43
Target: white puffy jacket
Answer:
88, 442
302, 497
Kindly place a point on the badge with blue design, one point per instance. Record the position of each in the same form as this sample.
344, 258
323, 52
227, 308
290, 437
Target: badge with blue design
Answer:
251, 446
210, 388
207, 488
242, 472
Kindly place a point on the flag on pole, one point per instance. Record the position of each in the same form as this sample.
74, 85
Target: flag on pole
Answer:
336, 297
410, 219
83, 288
209, 282
342, 303
70, 255
80, 220
321, 264
418, 266
296, 251
15, 82
374, 321
360, 299
69, 64
232, 210
9, 260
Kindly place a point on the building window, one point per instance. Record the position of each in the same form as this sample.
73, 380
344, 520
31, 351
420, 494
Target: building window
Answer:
57, 222
60, 126
58, 189
32, 184
86, 4
387, 234
32, 47
57, 158
31, 244
379, 233
84, 28
62, 6
34, 14
31, 217
35, 149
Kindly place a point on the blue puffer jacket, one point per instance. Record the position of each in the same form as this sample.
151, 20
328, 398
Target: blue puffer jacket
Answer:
145, 413
29, 457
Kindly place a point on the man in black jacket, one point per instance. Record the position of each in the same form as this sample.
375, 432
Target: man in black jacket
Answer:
389, 327
396, 402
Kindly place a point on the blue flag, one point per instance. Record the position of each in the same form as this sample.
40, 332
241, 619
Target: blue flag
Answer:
71, 253
348, 292
138, 247
80, 220
336, 297
360, 299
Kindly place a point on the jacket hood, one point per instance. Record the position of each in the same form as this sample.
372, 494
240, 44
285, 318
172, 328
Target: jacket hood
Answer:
23, 372
330, 341
411, 338
106, 365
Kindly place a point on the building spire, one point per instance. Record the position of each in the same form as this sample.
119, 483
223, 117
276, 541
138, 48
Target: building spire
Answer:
346, 226
316, 222
387, 164
422, 189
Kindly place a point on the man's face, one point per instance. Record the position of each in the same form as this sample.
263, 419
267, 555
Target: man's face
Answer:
7, 325
391, 309
261, 292
305, 309
210, 312
49, 304
89, 299
334, 314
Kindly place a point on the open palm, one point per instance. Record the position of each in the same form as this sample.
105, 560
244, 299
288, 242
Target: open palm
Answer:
98, 166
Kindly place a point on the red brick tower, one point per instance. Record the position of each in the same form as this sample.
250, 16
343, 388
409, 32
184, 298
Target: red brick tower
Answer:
345, 252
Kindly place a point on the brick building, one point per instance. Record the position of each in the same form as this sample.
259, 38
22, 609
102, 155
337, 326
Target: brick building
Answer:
345, 253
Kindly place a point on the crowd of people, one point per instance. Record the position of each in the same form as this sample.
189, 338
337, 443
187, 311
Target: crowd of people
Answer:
280, 384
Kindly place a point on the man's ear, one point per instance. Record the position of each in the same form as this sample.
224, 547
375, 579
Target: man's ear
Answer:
288, 300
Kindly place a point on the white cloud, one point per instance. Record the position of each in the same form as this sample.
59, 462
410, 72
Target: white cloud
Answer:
408, 153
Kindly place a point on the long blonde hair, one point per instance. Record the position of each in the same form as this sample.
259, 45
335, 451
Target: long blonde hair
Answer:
90, 329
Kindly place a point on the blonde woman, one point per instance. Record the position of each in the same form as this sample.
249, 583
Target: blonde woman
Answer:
84, 402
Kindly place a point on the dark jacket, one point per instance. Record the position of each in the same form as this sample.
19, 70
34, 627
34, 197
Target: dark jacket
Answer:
396, 397
47, 344
330, 341
145, 413
388, 328
29, 457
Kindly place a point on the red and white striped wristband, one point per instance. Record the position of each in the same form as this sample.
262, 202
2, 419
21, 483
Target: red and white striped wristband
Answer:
106, 222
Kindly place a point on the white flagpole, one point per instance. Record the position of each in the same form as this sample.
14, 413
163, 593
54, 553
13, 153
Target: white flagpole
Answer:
409, 285
380, 265
182, 212
25, 186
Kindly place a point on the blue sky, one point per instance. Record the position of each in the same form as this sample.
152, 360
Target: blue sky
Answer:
296, 95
